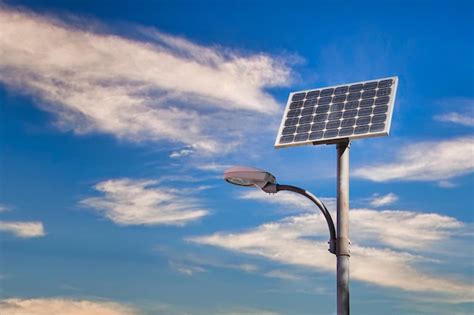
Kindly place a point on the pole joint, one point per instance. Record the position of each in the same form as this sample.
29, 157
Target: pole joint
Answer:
343, 247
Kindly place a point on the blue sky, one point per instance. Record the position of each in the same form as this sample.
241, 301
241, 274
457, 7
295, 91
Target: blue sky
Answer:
118, 118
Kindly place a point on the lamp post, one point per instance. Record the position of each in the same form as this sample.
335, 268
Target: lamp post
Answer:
248, 176
331, 115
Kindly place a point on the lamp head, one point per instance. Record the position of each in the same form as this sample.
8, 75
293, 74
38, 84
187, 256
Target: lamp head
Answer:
248, 176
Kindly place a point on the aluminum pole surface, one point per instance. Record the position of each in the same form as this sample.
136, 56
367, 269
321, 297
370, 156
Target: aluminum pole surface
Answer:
343, 243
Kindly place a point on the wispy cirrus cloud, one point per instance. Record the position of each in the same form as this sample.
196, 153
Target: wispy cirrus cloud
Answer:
464, 114
23, 229
48, 306
379, 201
166, 88
141, 202
282, 274
213, 167
184, 269
182, 153
425, 161
457, 118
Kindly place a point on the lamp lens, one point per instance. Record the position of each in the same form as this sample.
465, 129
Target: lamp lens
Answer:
239, 181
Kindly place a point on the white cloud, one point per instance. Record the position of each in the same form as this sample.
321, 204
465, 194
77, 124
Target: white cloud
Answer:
140, 202
406, 230
182, 153
23, 229
213, 167
398, 234
202, 261
187, 270
4, 208
165, 89
446, 184
464, 114
378, 201
465, 119
426, 161
60, 306
282, 274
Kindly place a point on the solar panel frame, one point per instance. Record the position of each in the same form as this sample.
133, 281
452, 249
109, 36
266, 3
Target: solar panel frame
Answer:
368, 134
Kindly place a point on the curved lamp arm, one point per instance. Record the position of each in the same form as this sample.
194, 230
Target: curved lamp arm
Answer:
274, 188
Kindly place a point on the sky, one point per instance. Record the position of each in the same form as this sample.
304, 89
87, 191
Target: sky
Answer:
118, 118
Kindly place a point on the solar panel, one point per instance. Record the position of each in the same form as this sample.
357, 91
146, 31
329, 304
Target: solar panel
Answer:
348, 111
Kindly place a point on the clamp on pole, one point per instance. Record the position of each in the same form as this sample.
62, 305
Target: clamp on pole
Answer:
343, 247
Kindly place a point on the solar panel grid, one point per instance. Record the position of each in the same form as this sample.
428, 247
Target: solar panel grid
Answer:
348, 111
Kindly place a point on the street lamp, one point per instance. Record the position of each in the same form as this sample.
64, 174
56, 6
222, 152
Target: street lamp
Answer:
330, 115
249, 176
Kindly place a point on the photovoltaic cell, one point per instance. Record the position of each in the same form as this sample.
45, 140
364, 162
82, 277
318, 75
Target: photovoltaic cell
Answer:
351, 105
331, 133
316, 135
303, 128
366, 103
348, 111
339, 98
356, 88
310, 102
379, 119
353, 96
337, 107
370, 85
291, 122
318, 126
327, 92
368, 94
312, 94
296, 105
382, 100
341, 90
365, 111
363, 120
377, 127
385, 83
346, 131
335, 116
348, 122
307, 111
306, 119
289, 130
302, 137
298, 96
321, 109
384, 92
324, 100
320, 118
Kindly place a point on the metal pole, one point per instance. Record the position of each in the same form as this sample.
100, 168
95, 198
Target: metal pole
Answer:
343, 243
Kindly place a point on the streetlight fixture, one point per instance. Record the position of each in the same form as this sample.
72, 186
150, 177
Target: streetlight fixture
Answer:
249, 176
330, 115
